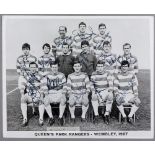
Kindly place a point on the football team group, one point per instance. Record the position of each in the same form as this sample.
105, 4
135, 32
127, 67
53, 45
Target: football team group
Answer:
79, 70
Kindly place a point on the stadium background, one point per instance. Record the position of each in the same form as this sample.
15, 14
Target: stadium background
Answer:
40, 30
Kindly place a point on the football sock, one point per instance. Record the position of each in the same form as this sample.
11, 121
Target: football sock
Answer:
24, 110
41, 111
121, 109
95, 107
72, 110
133, 110
61, 110
84, 110
49, 111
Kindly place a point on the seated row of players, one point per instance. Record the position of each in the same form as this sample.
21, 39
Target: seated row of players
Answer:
51, 87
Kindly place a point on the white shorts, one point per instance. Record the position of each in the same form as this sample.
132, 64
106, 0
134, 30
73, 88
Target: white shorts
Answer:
55, 97
126, 97
78, 99
103, 96
29, 99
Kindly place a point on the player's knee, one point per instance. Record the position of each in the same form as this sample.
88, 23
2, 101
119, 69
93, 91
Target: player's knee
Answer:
71, 101
110, 97
85, 100
63, 100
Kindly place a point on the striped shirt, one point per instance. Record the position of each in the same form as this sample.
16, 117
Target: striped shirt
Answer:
59, 42
23, 62
30, 83
44, 63
110, 60
125, 83
53, 82
77, 39
98, 40
101, 81
132, 61
78, 83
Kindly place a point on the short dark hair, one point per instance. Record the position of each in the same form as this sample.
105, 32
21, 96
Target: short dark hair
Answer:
26, 45
82, 23
63, 27
126, 44
125, 62
76, 62
101, 25
84, 42
64, 43
101, 62
33, 63
106, 43
47, 45
54, 63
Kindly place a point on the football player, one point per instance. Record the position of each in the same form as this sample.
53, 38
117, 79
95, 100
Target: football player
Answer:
65, 61
53, 86
61, 39
45, 60
126, 91
102, 91
78, 87
29, 86
24, 60
97, 41
108, 57
87, 60
80, 36
130, 58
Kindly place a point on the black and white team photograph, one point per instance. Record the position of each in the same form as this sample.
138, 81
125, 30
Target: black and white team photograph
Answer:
78, 76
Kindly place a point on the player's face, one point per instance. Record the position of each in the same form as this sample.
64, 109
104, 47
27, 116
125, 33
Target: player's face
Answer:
26, 51
100, 67
77, 67
46, 50
107, 48
62, 31
55, 69
85, 48
65, 49
82, 28
102, 30
124, 68
33, 68
127, 49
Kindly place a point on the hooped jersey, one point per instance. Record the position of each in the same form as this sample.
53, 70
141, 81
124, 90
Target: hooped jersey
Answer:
44, 63
132, 61
78, 83
101, 81
53, 82
125, 83
23, 62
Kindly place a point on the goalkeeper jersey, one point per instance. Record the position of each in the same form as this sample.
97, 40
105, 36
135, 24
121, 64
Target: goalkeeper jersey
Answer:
23, 62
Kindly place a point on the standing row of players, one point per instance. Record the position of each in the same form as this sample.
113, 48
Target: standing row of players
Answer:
55, 79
